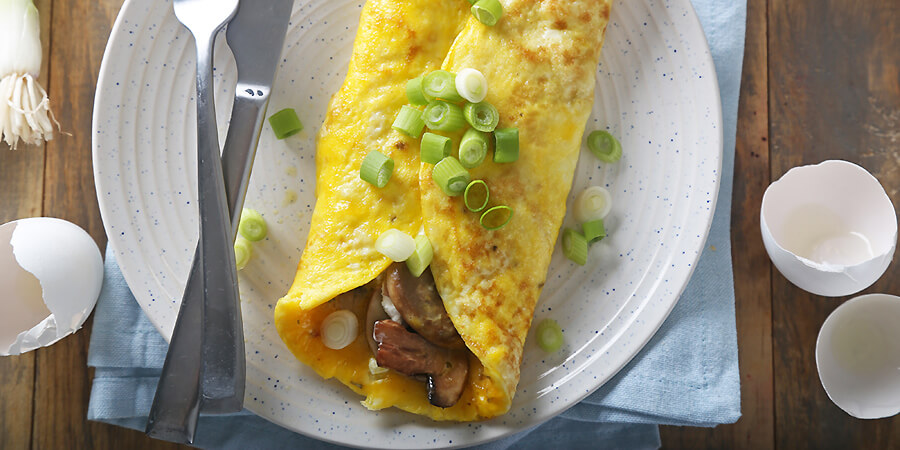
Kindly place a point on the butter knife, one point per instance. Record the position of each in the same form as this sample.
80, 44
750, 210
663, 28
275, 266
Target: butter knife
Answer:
256, 37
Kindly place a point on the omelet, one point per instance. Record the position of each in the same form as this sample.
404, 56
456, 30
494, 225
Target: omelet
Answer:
540, 63
397, 40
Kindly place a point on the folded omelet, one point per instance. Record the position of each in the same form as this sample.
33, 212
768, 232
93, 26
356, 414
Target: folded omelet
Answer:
540, 63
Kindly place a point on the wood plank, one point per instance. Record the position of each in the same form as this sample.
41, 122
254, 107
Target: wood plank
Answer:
21, 195
755, 429
16, 394
752, 276
62, 381
834, 68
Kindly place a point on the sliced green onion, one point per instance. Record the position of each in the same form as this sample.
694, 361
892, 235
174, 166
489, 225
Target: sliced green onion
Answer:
443, 116
594, 230
593, 203
476, 196
450, 176
471, 85
252, 225
376, 169
482, 116
339, 329
575, 246
285, 123
506, 145
242, 252
434, 148
409, 121
421, 257
396, 245
496, 217
415, 91
549, 335
473, 148
441, 84
604, 146
487, 12
472, 2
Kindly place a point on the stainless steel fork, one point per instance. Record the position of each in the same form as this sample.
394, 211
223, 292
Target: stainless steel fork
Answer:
223, 364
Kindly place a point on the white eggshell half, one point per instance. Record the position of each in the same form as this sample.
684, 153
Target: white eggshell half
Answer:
858, 356
829, 228
51, 273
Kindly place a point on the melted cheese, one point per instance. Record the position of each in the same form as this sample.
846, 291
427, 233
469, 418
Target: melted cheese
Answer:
300, 329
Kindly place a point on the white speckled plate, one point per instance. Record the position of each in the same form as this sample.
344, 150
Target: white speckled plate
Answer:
656, 91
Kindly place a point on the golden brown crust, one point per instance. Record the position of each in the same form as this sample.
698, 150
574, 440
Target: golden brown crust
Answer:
540, 66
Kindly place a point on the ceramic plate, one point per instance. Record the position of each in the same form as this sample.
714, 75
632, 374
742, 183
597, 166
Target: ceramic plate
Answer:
656, 91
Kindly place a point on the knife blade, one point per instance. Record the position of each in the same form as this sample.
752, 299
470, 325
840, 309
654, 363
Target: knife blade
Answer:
256, 37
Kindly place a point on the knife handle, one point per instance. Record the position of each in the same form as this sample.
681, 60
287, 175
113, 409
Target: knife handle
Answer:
177, 401
237, 161
240, 144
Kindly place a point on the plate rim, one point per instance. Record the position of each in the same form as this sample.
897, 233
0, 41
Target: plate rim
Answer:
629, 352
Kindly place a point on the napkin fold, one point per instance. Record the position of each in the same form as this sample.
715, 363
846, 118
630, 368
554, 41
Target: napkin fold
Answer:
128, 354
686, 375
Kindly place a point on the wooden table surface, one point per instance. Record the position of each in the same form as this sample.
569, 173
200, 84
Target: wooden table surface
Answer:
821, 80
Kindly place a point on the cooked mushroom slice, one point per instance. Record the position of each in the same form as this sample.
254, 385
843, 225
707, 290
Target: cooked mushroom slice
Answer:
410, 354
444, 390
420, 305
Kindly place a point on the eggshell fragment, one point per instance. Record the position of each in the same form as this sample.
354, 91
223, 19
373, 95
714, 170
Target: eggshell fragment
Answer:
829, 228
858, 356
51, 273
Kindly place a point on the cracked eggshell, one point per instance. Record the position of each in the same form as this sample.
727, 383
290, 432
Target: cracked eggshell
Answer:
858, 355
829, 228
51, 272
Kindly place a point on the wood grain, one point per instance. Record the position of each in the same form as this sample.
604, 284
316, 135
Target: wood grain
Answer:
755, 429
752, 269
834, 94
21, 195
821, 80
62, 385
62, 381
16, 393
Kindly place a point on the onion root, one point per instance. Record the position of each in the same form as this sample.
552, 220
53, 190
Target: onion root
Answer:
25, 111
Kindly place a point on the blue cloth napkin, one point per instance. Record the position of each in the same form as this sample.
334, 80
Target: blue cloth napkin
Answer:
686, 375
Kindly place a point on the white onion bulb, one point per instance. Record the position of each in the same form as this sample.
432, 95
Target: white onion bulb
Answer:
24, 106
20, 33
396, 245
471, 85
592, 203
339, 329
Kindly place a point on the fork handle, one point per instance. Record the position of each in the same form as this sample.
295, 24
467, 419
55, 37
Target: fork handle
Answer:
237, 161
176, 404
222, 367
